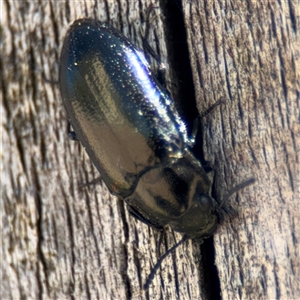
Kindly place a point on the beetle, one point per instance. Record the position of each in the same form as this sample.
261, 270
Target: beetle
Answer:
129, 127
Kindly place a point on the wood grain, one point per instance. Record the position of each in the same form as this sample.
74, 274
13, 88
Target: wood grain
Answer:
248, 54
63, 241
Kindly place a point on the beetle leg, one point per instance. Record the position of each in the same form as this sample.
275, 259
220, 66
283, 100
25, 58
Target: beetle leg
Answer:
197, 121
161, 72
157, 265
195, 129
211, 108
71, 133
47, 80
159, 242
94, 181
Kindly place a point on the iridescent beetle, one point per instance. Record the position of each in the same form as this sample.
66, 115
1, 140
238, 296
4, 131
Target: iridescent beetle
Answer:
129, 127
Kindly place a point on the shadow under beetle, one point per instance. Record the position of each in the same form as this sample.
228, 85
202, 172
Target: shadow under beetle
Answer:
130, 129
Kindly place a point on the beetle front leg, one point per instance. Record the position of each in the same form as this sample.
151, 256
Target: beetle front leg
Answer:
197, 121
211, 108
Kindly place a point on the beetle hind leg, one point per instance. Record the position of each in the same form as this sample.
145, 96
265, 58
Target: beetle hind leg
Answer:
71, 133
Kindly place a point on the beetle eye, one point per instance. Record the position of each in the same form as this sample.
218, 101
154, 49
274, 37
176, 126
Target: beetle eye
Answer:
202, 202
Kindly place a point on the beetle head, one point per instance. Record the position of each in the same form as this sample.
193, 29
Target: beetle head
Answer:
200, 220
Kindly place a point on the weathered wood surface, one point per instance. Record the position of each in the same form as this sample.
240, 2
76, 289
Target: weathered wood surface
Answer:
60, 241
248, 52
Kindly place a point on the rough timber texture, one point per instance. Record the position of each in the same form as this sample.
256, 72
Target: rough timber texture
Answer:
248, 53
63, 241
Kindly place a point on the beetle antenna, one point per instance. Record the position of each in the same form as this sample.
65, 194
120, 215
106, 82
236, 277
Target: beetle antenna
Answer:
157, 265
237, 188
